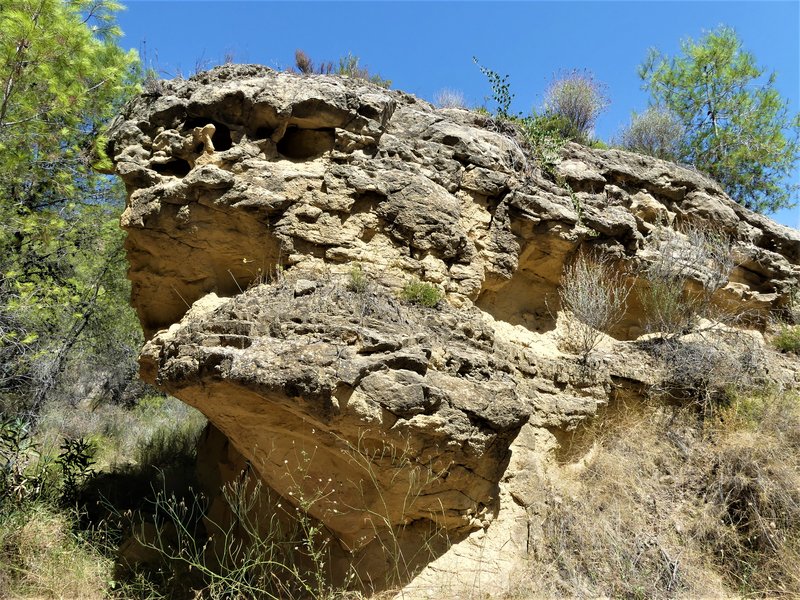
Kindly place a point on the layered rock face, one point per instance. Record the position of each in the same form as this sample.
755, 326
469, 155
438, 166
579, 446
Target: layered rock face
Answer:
273, 220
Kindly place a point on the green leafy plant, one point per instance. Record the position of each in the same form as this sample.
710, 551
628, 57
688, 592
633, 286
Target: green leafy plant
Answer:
544, 135
421, 293
501, 90
21, 478
76, 460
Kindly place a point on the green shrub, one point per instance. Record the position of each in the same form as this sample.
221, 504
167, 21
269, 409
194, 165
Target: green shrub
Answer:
358, 281
544, 135
788, 340
424, 294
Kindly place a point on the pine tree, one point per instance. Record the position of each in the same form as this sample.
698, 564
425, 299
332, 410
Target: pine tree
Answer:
738, 128
62, 286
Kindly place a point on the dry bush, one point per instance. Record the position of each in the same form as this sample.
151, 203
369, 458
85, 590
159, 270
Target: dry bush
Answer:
577, 97
447, 98
707, 368
703, 256
594, 293
657, 132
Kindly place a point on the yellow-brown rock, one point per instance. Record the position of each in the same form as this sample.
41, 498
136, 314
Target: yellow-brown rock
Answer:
258, 199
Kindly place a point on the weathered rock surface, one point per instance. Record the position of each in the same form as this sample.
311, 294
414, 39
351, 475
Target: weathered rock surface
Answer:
253, 195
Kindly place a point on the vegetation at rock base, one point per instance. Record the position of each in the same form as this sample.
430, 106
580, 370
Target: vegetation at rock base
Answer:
668, 505
738, 128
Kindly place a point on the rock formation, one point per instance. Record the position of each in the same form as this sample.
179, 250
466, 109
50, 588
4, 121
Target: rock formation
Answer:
273, 221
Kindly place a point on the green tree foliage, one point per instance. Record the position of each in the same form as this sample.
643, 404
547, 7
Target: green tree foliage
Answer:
63, 295
739, 129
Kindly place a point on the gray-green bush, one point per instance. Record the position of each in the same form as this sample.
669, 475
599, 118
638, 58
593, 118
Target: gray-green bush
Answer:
577, 97
657, 132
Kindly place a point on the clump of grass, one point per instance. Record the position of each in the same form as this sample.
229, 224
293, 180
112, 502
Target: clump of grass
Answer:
42, 556
421, 293
788, 340
448, 98
358, 281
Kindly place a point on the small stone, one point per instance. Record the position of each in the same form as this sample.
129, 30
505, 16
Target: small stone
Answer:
304, 287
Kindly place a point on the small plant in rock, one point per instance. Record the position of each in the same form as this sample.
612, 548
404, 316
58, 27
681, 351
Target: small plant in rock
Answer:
447, 98
358, 281
501, 90
348, 66
545, 136
788, 340
421, 293
594, 293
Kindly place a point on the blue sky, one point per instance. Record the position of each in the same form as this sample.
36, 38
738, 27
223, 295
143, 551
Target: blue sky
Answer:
426, 46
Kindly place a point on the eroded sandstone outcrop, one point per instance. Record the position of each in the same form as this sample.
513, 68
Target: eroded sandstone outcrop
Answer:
253, 197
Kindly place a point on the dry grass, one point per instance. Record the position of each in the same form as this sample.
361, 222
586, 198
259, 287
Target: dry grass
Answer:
121, 434
668, 505
42, 557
